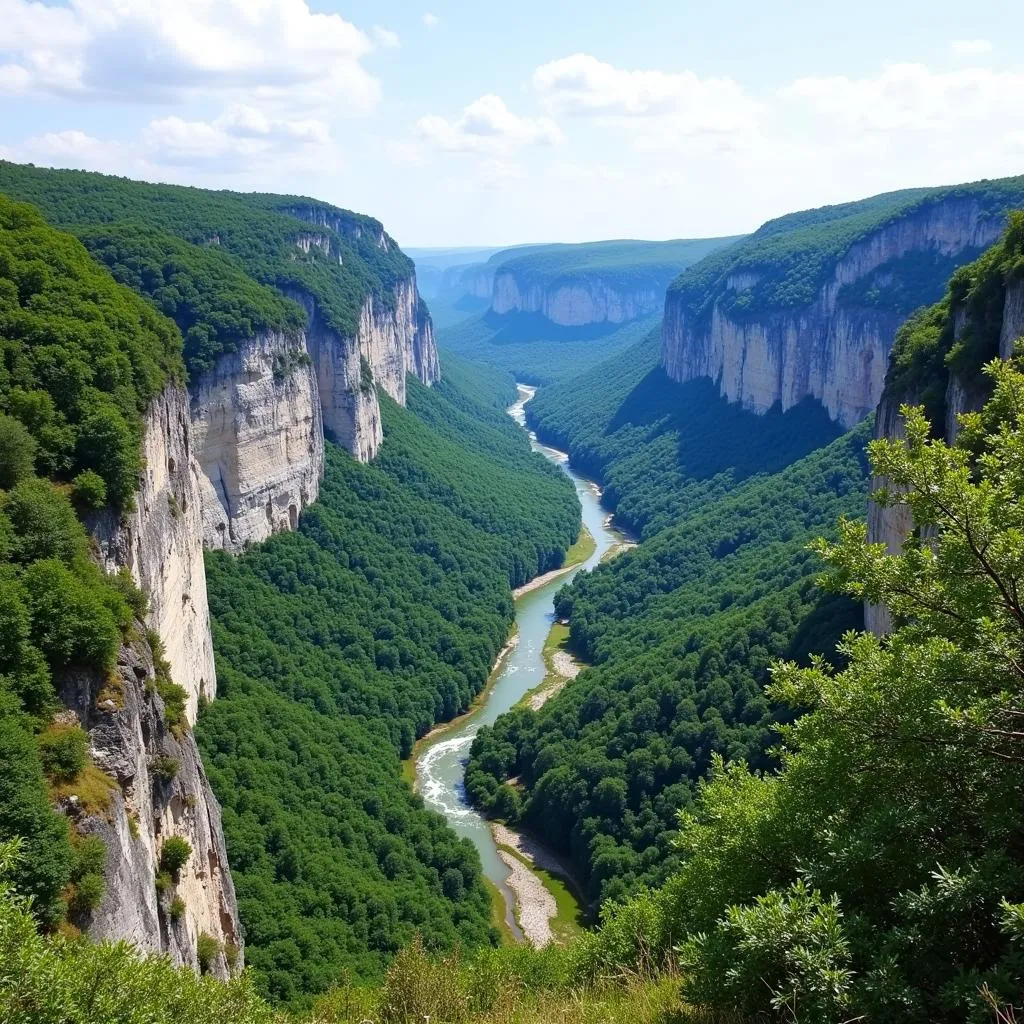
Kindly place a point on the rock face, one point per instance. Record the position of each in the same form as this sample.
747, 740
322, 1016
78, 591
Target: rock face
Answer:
588, 299
161, 543
825, 350
162, 788
259, 417
162, 791
258, 432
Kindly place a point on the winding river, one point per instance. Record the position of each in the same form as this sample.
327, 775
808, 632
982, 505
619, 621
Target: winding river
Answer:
441, 764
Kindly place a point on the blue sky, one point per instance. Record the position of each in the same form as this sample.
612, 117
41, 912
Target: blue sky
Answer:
464, 123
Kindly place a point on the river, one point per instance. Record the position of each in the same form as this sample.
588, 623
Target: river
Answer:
441, 765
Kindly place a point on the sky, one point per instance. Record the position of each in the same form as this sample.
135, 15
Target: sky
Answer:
475, 123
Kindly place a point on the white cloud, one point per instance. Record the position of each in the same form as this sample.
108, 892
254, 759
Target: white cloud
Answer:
278, 51
487, 126
911, 98
385, 37
971, 47
582, 85
430, 20
231, 142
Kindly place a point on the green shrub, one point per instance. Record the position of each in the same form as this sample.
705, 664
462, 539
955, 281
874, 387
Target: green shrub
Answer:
164, 767
90, 855
17, 452
88, 491
207, 948
174, 854
63, 750
163, 882
176, 909
786, 952
45, 524
87, 894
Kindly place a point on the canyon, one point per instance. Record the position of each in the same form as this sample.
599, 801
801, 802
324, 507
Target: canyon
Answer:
228, 463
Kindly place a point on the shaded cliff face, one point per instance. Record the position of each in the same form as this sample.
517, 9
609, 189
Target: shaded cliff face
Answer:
587, 300
163, 790
835, 348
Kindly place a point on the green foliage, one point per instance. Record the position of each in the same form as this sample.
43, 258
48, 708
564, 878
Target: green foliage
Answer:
203, 289
207, 950
174, 854
535, 350
45, 867
57, 980
790, 258
164, 767
785, 954
338, 645
17, 452
928, 348
82, 357
88, 492
176, 909
663, 450
349, 258
63, 751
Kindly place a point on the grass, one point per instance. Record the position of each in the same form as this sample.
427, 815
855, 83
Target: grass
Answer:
584, 547
557, 640
94, 789
498, 918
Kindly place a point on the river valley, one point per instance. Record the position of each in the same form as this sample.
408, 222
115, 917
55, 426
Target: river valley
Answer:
440, 764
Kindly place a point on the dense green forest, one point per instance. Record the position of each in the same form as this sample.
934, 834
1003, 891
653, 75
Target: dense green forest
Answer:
261, 233
337, 646
81, 359
792, 256
625, 262
202, 288
663, 449
534, 350
928, 348
680, 634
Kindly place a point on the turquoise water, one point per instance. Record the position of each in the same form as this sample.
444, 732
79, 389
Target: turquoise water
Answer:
441, 766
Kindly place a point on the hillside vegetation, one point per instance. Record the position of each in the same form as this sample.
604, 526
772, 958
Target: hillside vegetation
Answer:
791, 257
81, 359
340, 644
624, 262
536, 351
260, 232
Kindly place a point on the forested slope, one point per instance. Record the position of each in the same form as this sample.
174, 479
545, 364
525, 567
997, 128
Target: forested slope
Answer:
680, 633
340, 644
660, 448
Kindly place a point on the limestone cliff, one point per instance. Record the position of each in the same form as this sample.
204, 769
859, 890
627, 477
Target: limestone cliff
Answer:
162, 787
161, 543
588, 299
834, 347
259, 440
259, 417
